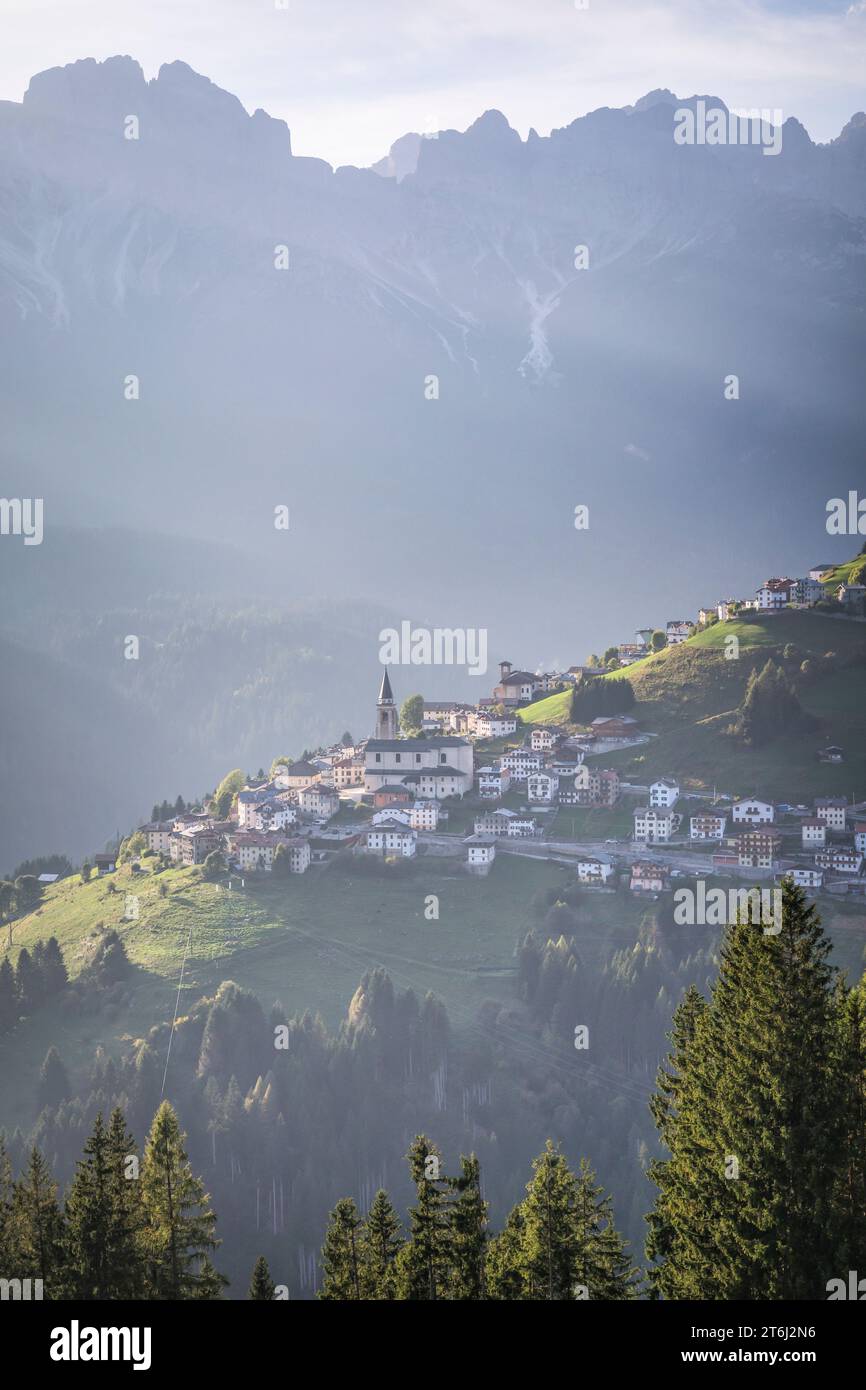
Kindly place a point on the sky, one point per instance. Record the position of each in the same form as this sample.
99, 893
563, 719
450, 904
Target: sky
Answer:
350, 76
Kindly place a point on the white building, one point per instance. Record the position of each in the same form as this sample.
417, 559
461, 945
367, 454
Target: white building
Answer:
677, 631
489, 725
805, 878
813, 832
542, 740
665, 792
424, 815
254, 850
841, 861
751, 811
520, 762
480, 852
831, 810
542, 788
594, 870
653, 824
319, 801
860, 836
504, 822
390, 838
493, 783
707, 826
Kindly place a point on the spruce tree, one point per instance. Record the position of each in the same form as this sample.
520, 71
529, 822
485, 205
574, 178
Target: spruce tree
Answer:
102, 1219
424, 1260
341, 1258
603, 1265
469, 1234
754, 1125
381, 1241
179, 1226
262, 1286
37, 1228
551, 1249
506, 1272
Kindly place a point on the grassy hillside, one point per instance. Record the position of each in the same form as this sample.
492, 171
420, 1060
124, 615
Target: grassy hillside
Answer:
687, 696
555, 709
306, 942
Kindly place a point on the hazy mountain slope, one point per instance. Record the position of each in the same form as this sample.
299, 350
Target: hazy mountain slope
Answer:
306, 386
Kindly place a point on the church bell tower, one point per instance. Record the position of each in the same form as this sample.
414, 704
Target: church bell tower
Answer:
386, 710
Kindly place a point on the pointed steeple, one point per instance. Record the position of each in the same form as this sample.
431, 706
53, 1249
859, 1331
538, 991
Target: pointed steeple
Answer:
386, 710
385, 693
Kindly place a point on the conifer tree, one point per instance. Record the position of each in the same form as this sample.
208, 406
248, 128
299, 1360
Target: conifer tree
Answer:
424, 1260
179, 1226
603, 1265
550, 1247
754, 1125
37, 1228
506, 1271
262, 1286
381, 1243
851, 1202
341, 1257
103, 1218
469, 1234
6, 1193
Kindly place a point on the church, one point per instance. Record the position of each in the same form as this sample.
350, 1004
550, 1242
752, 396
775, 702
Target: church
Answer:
432, 768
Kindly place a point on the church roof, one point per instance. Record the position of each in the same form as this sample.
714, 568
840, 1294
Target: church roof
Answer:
385, 692
415, 745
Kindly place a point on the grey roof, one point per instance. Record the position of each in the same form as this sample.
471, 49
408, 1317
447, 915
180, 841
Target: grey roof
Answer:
416, 745
385, 692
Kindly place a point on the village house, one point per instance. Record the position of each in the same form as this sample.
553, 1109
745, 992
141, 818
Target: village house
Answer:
758, 849
820, 572
647, 877
831, 754
628, 652
567, 794
193, 844
543, 740
520, 762
424, 815
394, 814
158, 835
493, 783
249, 798
253, 851
705, 614
542, 788
807, 592
565, 762
439, 782
665, 792
677, 631
104, 864
596, 786
775, 594
347, 772
504, 822
515, 687
804, 877
653, 824
860, 836
490, 725
391, 838
813, 832
294, 776
831, 810
749, 810
840, 860
614, 728
392, 794
726, 609
594, 870
272, 815
480, 853
319, 801
707, 826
